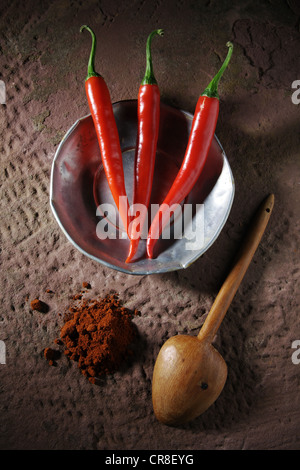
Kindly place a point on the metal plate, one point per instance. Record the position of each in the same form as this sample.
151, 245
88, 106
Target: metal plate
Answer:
78, 187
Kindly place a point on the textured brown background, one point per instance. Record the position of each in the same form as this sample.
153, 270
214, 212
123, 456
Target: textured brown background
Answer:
43, 64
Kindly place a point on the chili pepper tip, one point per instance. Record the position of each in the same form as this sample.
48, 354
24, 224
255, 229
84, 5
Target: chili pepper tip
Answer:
132, 250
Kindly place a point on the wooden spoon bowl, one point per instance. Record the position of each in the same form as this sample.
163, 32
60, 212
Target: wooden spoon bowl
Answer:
191, 369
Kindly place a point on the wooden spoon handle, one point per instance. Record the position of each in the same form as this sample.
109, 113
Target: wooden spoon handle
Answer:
233, 280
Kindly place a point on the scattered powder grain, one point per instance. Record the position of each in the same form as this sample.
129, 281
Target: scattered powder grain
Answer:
39, 305
51, 355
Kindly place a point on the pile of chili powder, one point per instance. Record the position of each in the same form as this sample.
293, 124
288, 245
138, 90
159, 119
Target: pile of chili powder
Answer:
97, 334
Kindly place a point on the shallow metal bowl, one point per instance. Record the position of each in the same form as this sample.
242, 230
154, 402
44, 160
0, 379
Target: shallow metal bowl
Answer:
79, 187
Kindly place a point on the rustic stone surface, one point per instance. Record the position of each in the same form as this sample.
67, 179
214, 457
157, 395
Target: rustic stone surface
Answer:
43, 65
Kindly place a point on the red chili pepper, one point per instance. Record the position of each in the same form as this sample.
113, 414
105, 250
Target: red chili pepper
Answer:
201, 135
148, 127
107, 133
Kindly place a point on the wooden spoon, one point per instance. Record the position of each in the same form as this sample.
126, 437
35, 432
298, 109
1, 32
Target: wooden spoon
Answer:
189, 373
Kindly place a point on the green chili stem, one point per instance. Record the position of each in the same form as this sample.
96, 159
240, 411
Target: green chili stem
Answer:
91, 64
149, 78
212, 89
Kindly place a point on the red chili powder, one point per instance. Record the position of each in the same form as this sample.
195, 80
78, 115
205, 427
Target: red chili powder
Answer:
97, 334
39, 305
51, 355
